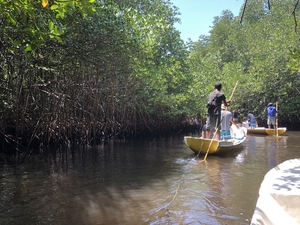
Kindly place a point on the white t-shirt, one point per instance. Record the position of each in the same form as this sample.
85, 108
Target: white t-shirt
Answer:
238, 133
246, 124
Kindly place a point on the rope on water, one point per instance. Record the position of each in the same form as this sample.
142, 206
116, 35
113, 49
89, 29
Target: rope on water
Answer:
181, 180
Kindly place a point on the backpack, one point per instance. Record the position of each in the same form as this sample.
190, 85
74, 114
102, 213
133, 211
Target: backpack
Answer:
212, 106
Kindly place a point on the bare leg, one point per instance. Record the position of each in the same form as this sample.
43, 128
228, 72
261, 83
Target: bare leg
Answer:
214, 135
208, 133
211, 133
218, 135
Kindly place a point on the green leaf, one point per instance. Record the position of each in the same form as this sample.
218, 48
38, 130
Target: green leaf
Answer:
50, 25
28, 48
54, 7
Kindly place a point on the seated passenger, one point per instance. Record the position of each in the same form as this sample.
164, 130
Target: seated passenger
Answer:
238, 132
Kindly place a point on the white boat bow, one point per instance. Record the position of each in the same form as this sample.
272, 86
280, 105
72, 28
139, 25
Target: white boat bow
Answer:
279, 196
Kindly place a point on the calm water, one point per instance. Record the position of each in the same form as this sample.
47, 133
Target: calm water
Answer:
142, 182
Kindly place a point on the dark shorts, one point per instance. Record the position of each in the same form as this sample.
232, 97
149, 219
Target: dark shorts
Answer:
213, 122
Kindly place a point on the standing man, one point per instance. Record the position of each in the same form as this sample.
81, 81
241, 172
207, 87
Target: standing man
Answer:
216, 98
271, 115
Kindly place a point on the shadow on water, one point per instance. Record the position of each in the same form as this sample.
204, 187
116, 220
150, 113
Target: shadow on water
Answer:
103, 185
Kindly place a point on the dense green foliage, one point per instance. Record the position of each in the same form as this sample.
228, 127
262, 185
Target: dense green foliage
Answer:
73, 73
262, 53
82, 71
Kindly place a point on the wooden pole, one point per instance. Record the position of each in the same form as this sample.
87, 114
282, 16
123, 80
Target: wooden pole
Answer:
276, 123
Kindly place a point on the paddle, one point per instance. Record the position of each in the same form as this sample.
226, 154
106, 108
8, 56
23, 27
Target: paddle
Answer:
216, 131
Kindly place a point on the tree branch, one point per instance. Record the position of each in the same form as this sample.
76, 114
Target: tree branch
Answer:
243, 11
294, 15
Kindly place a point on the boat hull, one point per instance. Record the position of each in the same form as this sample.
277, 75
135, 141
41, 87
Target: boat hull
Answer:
278, 202
265, 131
214, 147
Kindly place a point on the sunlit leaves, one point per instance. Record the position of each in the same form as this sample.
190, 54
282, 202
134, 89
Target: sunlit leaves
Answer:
256, 53
294, 63
25, 16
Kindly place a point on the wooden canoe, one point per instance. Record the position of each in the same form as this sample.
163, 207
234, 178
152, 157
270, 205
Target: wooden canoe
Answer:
266, 131
214, 147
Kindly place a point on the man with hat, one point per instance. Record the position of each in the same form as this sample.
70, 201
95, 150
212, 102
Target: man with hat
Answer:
272, 111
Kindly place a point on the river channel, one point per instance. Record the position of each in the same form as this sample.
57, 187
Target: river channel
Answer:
155, 182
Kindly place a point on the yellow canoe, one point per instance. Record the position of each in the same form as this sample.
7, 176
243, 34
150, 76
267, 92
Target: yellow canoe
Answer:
266, 131
202, 145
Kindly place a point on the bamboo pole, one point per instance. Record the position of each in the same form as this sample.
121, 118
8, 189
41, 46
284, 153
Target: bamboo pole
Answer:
276, 123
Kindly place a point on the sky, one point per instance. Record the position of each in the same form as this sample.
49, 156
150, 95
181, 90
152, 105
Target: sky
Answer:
197, 15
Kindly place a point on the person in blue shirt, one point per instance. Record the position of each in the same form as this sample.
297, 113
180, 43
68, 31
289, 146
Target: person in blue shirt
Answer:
252, 120
272, 111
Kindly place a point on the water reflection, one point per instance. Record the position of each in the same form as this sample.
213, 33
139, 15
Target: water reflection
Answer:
272, 145
143, 182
